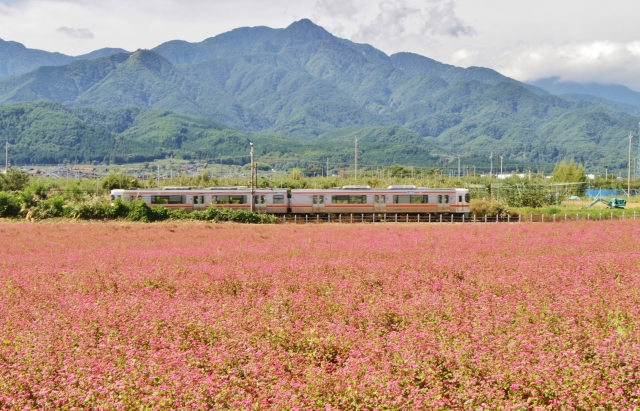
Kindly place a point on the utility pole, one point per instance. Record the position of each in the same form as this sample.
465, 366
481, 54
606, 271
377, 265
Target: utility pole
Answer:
356, 161
252, 187
638, 156
458, 167
6, 157
491, 168
629, 168
327, 167
501, 166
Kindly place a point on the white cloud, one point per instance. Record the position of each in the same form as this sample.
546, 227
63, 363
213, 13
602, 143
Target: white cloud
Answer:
595, 61
133, 24
391, 24
76, 33
526, 40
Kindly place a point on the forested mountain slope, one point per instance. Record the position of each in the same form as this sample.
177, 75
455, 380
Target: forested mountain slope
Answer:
51, 133
303, 83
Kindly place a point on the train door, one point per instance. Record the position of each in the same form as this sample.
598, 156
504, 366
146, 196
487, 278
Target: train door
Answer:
379, 203
198, 202
260, 203
443, 202
318, 204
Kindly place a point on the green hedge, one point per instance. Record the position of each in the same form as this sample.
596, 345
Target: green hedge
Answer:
36, 206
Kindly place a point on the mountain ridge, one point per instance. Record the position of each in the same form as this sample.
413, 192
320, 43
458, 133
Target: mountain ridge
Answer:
16, 58
305, 84
612, 92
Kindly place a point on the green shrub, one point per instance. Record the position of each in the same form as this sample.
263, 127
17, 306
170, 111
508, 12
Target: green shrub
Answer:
119, 209
89, 208
526, 195
49, 208
489, 208
9, 205
14, 180
32, 194
178, 214
113, 181
239, 216
161, 213
140, 211
33, 203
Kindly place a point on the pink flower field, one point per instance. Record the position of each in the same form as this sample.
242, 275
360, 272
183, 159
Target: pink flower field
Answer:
115, 316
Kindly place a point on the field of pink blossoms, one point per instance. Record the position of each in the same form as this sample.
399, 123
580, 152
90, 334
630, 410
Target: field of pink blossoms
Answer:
203, 316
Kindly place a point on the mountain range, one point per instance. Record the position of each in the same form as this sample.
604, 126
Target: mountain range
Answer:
310, 92
611, 92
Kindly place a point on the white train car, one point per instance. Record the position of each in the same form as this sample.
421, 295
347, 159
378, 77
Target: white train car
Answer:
272, 201
345, 200
393, 199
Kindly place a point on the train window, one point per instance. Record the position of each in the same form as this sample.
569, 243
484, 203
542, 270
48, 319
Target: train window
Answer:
446, 199
220, 199
229, 199
237, 199
459, 199
159, 199
349, 199
195, 199
439, 199
259, 200
168, 199
383, 199
340, 199
467, 198
320, 199
407, 199
278, 199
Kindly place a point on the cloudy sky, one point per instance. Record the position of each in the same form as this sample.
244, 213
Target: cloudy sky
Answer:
578, 40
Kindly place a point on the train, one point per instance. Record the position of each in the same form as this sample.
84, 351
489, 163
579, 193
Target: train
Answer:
351, 199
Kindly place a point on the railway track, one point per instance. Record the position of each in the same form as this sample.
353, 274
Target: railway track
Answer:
359, 218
